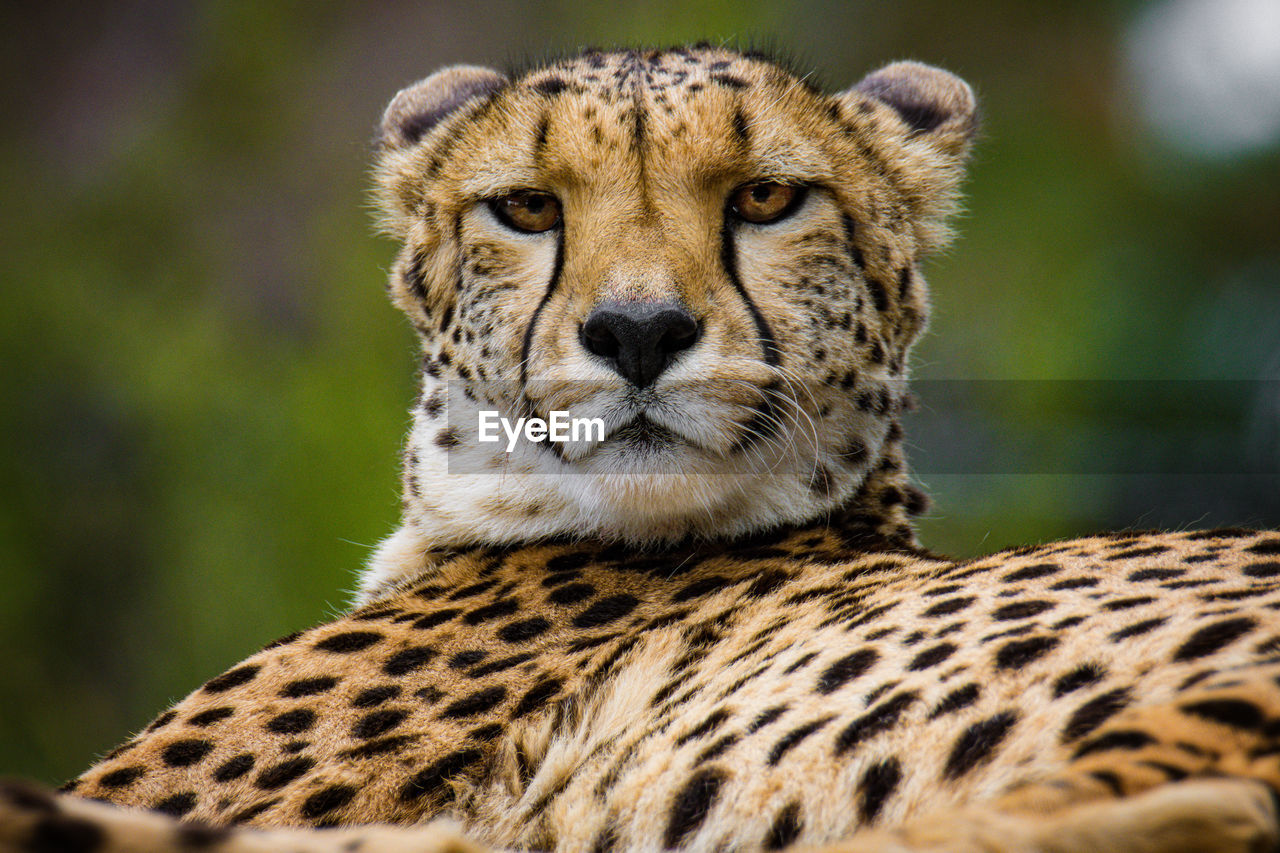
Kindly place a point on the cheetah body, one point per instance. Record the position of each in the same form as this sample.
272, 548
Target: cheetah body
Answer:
694, 654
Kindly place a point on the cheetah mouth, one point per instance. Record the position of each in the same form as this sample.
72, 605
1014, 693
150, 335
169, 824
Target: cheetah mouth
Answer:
641, 433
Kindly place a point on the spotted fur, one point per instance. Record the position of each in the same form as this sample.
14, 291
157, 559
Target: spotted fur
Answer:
782, 668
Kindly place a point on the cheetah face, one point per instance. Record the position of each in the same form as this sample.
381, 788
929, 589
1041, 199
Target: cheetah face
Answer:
696, 248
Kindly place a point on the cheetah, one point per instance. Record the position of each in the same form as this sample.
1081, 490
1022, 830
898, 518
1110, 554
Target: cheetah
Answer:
711, 627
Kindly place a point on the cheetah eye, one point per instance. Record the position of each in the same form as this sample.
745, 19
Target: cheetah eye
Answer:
766, 201
527, 210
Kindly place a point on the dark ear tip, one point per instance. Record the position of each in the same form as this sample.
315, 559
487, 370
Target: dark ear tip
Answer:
925, 97
416, 109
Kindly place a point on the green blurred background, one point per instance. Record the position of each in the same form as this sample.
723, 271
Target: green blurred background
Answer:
204, 390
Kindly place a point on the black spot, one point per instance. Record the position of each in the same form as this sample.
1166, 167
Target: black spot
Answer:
62, 834
904, 282
606, 610
184, 753
550, 85
474, 703
766, 717
1211, 638
700, 587
879, 719
1235, 713
378, 723
785, 829
372, 696
228, 680
432, 779
1018, 653
1156, 574
800, 663
468, 658
292, 722
308, 687
524, 630
1138, 552
326, 800
500, 664
348, 642
978, 743
1075, 583
496, 610
931, 656
431, 620
1266, 546
710, 724
949, 606
961, 697
571, 593
1262, 570
1021, 610
1111, 780
877, 785
447, 438
567, 562
1137, 628
729, 81
793, 737
1127, 603
122, 777
234, 768
692, 802
741, 127
200, 836
717, 748
1175, 774
163, 720
845, 669
381, 746
430, 694
211, 716
281, 774
248, 814
407, 660
1094, 713
1082, 676
176, 805
1127, 739
878, 294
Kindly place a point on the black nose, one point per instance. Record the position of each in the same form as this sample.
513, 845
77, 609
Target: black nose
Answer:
639, 338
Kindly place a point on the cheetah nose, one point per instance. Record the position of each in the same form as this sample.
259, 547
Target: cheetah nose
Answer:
639, 339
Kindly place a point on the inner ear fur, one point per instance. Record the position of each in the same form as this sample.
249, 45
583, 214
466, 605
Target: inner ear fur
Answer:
418, 108
930, 102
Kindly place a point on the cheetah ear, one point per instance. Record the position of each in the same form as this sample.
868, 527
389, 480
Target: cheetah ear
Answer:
416, 109
932, 102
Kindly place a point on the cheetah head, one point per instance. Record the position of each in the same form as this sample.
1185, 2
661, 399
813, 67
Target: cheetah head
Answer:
697, 251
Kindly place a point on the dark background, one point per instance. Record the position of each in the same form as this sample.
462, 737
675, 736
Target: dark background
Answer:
203, 389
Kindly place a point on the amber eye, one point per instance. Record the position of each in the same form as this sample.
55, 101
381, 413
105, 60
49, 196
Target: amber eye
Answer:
527, 210
767, 201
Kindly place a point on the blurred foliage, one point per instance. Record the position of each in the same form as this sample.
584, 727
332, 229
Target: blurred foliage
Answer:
205, 389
